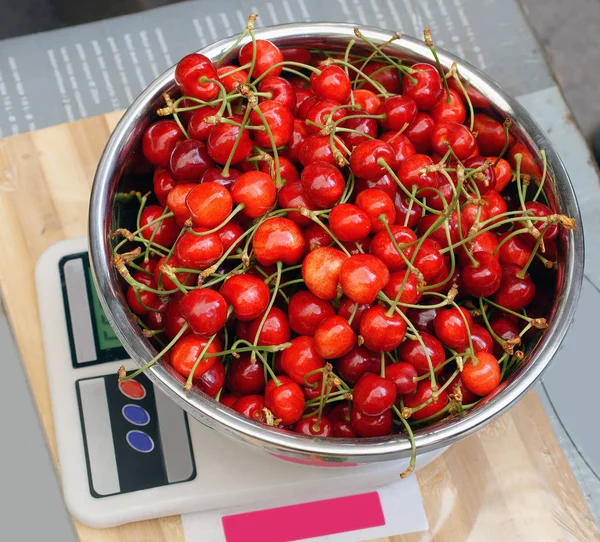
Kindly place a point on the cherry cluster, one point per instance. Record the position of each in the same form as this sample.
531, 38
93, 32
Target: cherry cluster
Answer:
337, 243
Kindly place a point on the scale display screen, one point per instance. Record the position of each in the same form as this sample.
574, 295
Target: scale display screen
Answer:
91, 338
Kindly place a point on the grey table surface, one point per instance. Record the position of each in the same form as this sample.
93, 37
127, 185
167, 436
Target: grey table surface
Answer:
30, 491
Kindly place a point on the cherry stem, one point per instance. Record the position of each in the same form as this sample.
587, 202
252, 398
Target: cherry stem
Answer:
354, 311
278, 182
240, 207
521, 274
382, 373
310, 214
429, 42
410, 204
411, 438
269, 307
506, 127
454, 72
376, 84
285, 64
225, 170
188, 383
249, 25
393, 62
544, 172
351, 44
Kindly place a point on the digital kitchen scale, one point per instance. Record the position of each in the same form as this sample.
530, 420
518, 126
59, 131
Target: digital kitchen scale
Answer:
126, 451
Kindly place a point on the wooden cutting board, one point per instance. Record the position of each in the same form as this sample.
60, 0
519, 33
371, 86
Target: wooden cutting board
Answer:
510, 481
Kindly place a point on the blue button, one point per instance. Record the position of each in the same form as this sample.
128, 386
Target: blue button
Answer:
135, 414
140, 442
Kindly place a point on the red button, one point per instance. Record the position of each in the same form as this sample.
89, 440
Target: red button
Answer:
132, 389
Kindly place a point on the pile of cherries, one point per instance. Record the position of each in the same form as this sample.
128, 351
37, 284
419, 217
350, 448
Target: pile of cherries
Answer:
337, 243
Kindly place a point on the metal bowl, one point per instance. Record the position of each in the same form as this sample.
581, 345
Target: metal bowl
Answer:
124, 143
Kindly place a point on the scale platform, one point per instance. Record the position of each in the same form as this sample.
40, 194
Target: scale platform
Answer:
129, 453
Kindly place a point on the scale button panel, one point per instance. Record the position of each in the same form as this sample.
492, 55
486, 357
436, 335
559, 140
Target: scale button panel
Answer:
136, 414
140, 441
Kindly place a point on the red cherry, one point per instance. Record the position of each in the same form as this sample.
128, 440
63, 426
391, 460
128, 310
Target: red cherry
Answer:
382, 247
278, 118
447, 134
528, 163
478, 100
165, 282
468, 214
442, 197
503, 173
299, 135
198, 252
300, 359
156, 318
209, 204
162, 184
215, 175
222, 139
384, 74
285, 401
292, 195
356, 363
287, 170
422, 395
212, 380
373, 395
306, 311
515, 293
247, 295
490, 134
204, 310
366, 100
197, 127
385, 183
540, 210
164, 232
348, 307
488, 173
189, 72
419, 132
399, 111
323, 184
297, 54
314, 427
423, 85
333, 83
481, 339
231, 81
278, 240
188, 349
275, 331
189, 160
252, 407
315, 237
400, 144
173, 320
361, 124
496, 205
228, 399
483, 242
483, 375
515, 250
411, 351
409, 287
280, 89
362, 277
482, 280
256, 190
267, 56
451, 329
340, 419
439, 233
176, 202
321, 112
401, 205
410, 172
306, 105
245, 376
360, 247
372, 426
376, 203
230, 234
456, 385
429, 260
159, 140
382, 333
365, 158
317, 148
506, 329
334, 337
349, 223
146, 299
453, 110
403, 376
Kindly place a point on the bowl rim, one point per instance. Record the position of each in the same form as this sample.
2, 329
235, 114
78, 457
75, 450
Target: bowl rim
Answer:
214, 414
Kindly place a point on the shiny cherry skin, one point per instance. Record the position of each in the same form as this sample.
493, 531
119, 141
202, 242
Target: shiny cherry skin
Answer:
515, 250
362, 277
148, 299
484, 279
286, 400
469, 215
411, 351
205, 310
162, 184
209, 204
173, 320
333, 83
385, 183
276, 329
278, 118
456, 385
315, 236
506, 329
401, 205
349, 223
299, 134
228, 399
408, 288
489, 181
231, 80
410, 173
198, 252
176, 202
317, 148
340, 419
323, 111
457, 231
287, 170
366, 100
372, 426
538, 209
188, 73
481, 339
429, 260
281, 91
334, 337
495, 203
164, 232
321, 271
375, 203
485, 241
159, 140
481, 376
256, 190
230, 234
423, 394
187, 350
399, 111
400, 144
278, 240
211, 382
356, 363
306, 311
313, 426
456, 136
422, 318
452, 109
528, 163
252, 407
366, 156
380, 332
189, 160
216, 175
503, 173
360, 123
451, 329
323, 184
245, 376
419, 132
163, 281
439, 200
383, 248
478, 100
197, 127
373, 395
490, 134
306, 105
268, 56
221, 141
384, 74
248, 296
292, 195
300, 359
515, 293
404, 377
423, 85
297, 54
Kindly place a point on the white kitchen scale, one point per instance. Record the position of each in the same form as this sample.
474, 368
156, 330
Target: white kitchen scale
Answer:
129, 453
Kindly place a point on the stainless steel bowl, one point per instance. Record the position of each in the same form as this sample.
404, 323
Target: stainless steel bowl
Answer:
125, 141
